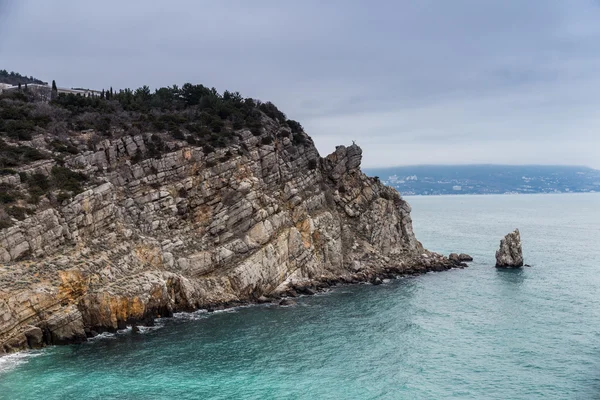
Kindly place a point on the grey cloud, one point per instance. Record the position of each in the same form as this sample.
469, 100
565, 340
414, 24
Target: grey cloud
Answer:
498, 81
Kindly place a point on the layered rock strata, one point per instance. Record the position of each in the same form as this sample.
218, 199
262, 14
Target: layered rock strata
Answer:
192, 230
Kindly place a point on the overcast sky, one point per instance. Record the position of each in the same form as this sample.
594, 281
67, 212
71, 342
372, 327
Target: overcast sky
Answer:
412, 82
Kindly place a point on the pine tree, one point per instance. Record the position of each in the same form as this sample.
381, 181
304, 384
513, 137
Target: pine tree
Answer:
102, 94
54, 92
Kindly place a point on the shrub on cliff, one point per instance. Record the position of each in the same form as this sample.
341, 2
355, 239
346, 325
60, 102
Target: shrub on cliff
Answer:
65, 179
7, 193
17, 212
5, 221
12, 156
295, 126
298, 139
61, 178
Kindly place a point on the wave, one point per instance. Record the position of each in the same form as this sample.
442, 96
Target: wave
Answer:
127, 329
141, 329
103, 335
190, 316
146, 329
202, 313
11, 361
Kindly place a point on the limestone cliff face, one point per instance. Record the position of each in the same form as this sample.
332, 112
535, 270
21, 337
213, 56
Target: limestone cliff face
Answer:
190, 230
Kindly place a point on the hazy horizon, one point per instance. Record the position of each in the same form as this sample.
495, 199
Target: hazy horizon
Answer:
425, 83
483, 165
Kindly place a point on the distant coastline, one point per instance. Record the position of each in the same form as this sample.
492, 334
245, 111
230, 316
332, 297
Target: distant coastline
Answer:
430, 180
408, 196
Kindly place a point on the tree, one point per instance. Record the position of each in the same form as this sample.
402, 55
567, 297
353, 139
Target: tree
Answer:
102, 94
19, 86
142, 97
54, 93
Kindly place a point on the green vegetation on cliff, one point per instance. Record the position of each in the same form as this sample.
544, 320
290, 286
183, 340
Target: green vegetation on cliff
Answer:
37, 136
14, 78
194, 113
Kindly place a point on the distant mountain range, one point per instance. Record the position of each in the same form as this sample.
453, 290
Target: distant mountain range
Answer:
488, 179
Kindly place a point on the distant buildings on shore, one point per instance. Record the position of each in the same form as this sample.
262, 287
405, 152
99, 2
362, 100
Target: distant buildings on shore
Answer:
4, 88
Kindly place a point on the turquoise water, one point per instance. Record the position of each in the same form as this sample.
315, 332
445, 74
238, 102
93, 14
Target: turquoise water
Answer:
477, 333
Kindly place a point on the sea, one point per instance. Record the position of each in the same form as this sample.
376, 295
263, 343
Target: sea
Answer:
474, 333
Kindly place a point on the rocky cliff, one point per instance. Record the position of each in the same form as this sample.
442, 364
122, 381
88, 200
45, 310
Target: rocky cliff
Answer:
187, 229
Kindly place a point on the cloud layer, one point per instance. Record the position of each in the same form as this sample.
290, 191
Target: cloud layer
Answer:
463, 81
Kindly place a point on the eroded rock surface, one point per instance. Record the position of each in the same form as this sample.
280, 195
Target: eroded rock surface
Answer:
510, 254
192, 230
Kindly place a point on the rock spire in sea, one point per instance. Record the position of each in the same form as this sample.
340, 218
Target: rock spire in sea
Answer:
510, 254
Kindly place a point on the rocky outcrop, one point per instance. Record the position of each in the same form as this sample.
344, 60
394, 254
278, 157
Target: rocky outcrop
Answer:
460, 258
191, 230
510, 254
465, 257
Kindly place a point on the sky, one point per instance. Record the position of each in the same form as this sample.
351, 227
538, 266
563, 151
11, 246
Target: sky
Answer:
412, 82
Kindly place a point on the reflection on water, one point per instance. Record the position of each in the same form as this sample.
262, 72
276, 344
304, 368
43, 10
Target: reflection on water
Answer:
512, 275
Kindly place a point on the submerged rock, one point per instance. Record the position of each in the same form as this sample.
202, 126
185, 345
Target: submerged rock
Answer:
510, 254
287, 302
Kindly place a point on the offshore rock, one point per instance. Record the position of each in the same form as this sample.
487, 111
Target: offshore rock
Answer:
459, 259
465, 257
186, 230
510, 254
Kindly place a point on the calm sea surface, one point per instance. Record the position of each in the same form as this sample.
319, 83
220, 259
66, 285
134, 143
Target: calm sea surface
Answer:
477, 333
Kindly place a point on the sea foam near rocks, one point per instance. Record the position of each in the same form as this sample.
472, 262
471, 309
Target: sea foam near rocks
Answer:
11, 361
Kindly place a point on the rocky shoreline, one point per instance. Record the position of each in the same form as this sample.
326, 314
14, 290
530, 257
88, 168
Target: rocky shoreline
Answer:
35, 337
263, 217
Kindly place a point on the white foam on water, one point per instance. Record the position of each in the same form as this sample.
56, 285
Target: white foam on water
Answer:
11, 361
191, 316
103, 335
146, 329
201, 314
124, 331
227, 310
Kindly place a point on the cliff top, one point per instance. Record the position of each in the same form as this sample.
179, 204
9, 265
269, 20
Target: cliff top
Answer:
38, 137
14, 78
